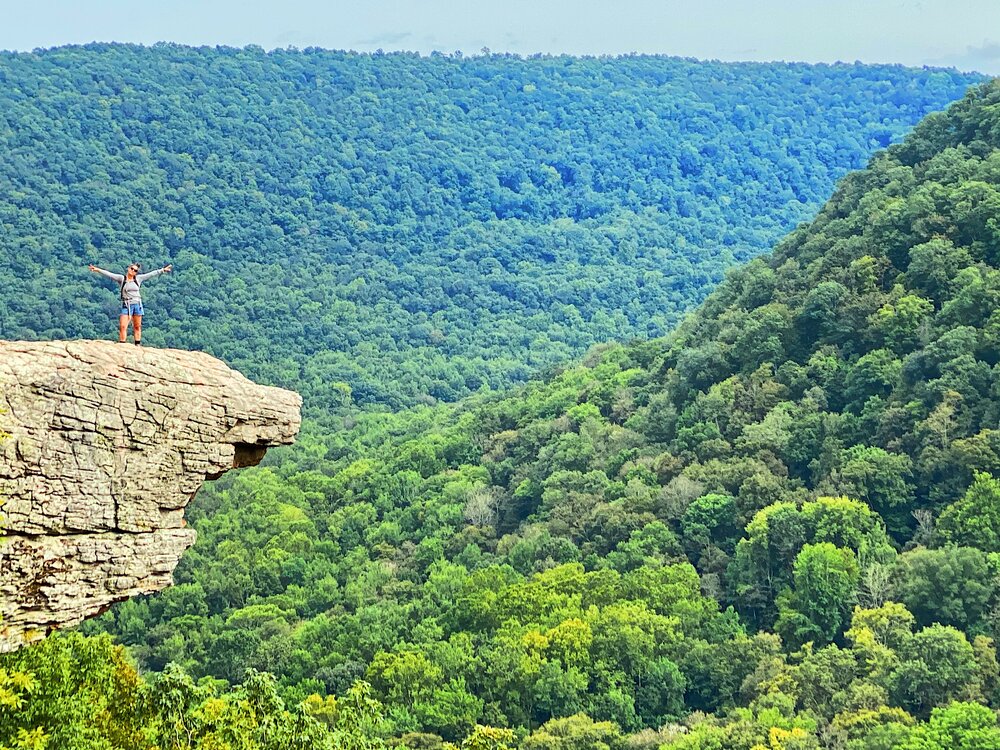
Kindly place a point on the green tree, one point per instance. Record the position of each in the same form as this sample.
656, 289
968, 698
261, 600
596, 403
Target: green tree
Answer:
974, 521
953, 586
902, 321
881, 479
960, 726
818, 606
83, 690
938, 666
577, 731
711, 519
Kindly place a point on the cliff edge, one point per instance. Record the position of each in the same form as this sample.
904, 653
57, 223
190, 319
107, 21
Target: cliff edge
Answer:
107, 443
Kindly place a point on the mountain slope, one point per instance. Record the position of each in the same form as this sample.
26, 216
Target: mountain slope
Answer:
391, 229
785, 513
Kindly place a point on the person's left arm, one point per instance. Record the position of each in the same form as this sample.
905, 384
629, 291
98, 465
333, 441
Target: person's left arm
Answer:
143, 276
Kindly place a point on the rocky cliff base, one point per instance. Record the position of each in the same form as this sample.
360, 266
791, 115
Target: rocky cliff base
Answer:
106, 444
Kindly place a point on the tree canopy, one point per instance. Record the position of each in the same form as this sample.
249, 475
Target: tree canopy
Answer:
395, 229
758, 532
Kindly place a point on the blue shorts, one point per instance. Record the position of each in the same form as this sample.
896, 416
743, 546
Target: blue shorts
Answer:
131, 310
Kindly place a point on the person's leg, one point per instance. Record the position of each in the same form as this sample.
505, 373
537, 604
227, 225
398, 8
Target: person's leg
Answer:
137, 329
122, 328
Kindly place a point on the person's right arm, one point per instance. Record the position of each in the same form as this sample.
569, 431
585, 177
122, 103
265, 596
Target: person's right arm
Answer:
113, 276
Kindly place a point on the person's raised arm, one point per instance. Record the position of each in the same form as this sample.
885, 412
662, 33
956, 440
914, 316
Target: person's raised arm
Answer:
143, 276
113, 276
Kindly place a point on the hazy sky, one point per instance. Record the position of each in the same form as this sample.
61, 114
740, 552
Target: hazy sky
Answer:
963, 33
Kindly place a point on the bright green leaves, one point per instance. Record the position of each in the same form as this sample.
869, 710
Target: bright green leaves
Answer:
960, 726
419, 694
765, 558
904, 321
579, 732
83, 692
974, 521
818, 605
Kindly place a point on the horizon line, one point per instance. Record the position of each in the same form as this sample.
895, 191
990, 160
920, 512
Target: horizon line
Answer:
486, 52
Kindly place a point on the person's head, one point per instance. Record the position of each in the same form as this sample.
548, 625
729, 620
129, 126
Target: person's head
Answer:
132, 270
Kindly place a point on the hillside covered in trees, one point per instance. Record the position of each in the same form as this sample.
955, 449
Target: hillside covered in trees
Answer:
392, 229
776, 528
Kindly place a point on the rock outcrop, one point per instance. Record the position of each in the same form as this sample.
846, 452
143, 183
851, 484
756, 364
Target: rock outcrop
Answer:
107, 443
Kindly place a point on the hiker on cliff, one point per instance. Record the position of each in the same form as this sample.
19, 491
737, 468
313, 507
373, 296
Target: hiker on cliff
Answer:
131, 300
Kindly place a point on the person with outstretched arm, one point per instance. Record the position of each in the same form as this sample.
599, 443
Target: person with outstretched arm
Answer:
131, 300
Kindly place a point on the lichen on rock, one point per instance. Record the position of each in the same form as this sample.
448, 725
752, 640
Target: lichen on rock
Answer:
108, 443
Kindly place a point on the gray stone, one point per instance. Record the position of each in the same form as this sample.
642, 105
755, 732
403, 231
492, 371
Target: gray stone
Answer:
107, 443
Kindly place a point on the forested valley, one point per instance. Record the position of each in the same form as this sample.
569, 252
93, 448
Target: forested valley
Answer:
775, 528
392, 230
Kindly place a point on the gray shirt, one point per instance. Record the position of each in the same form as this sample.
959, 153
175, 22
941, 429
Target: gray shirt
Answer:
130, 293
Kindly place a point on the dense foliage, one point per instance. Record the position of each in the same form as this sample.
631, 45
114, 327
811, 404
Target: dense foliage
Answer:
87, 695
394, 229
776, 528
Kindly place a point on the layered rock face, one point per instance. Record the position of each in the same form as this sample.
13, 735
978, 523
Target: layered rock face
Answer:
107, 443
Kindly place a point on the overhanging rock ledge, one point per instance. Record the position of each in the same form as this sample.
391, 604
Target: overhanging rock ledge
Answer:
107, 443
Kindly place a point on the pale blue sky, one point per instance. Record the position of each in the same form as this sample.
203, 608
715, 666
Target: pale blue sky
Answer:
963, 33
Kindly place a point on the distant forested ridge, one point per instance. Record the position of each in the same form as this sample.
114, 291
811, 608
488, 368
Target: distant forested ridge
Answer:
777, 528
396, 229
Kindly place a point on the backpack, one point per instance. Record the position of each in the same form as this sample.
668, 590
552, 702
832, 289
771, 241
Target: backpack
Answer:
121, 290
